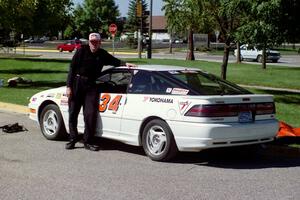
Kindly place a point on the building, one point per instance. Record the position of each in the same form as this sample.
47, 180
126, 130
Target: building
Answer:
159, 29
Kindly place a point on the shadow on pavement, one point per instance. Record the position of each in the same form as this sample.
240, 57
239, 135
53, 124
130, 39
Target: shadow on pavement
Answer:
246, 157
249, 157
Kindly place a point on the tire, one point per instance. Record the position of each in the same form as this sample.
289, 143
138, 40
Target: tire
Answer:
259, 58
52, 124
60, 50
158, 141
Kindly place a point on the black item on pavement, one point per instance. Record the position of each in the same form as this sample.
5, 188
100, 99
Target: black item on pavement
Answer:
13, 128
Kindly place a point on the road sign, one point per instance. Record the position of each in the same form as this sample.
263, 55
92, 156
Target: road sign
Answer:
113, 29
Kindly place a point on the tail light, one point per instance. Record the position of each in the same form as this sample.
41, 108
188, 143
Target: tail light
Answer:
265, 108
230, 110
213, 111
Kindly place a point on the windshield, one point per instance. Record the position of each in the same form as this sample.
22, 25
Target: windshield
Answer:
205, 83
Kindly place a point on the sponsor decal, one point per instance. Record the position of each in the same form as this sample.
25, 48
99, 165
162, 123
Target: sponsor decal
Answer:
183, 105
157, 99
180, 91
168, 90
109, 103
160, 100
146, 99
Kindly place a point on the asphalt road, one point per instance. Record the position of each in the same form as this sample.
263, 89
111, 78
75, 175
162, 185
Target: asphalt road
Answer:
33, 168
286, 60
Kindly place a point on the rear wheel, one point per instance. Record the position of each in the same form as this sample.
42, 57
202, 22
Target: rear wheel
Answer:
158, 141
51, 123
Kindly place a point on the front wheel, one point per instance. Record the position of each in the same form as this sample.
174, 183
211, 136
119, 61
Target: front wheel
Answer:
52, 124
158, 141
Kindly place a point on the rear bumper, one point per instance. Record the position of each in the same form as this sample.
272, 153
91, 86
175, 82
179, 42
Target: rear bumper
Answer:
198, 136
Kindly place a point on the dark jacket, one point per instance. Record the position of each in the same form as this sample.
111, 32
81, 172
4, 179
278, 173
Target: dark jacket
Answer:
88, 64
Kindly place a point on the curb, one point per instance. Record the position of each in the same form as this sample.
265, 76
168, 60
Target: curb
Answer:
9, 107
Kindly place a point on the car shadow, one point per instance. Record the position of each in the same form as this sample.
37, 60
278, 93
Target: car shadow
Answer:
244, 157
249, 157
109, 145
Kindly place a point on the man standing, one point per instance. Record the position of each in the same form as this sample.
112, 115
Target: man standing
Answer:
85, 68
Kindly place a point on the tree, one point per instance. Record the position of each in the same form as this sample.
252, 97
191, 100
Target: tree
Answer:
16, 16
171, 9
34, 17
261, 27
52, 16
289, 24
186, 15
95, 16
133, 22
227, 15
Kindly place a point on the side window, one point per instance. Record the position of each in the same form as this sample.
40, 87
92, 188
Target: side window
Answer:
115, 82
141, 83
145, 82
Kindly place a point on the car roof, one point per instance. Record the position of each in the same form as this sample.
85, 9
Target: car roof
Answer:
162, 68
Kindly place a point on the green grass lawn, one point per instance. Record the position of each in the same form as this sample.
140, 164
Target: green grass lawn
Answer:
47, 74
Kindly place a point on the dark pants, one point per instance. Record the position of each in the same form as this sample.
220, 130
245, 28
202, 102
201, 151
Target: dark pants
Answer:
84, 94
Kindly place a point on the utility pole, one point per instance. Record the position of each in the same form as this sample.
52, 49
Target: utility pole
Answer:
139, 14
149, 50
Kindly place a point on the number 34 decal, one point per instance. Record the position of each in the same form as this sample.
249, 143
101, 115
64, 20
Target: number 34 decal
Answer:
106, 102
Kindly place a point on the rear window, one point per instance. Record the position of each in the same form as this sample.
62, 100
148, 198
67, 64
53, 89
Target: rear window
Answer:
205, 83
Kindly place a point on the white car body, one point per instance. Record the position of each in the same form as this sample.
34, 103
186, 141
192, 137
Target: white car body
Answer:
252, 53
125, 119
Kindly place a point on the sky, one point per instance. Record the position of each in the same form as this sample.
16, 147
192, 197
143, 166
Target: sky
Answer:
123, 6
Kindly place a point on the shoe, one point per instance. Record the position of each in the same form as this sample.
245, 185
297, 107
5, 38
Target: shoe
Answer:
91, 147
71, 145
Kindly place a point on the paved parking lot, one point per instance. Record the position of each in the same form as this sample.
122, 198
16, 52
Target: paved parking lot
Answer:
32, 167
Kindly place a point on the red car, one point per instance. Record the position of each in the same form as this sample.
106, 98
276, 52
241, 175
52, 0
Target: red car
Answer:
69, 46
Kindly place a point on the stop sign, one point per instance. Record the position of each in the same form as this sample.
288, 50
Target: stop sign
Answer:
112, 29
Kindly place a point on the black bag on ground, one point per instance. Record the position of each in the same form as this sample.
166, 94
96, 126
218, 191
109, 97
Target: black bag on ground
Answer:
12, 128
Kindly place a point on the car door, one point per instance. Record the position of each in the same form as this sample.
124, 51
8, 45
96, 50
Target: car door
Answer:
252, 52
243, 50
113, 88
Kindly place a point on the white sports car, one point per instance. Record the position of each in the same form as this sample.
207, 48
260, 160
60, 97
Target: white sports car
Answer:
165, 109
